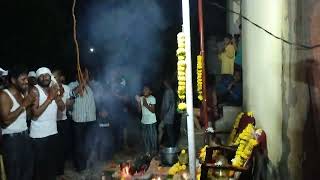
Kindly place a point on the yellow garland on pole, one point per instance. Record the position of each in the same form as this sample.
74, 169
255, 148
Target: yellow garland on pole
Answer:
199, 77
181, 71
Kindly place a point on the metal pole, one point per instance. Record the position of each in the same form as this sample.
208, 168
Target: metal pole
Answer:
202, 53
189, 96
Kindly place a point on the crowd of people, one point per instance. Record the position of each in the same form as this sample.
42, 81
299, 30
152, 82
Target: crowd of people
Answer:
45, 122
229, 85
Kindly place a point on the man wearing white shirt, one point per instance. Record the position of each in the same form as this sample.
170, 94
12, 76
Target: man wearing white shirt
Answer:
16, 143
84, 120
63, 124
146, 105
43, 129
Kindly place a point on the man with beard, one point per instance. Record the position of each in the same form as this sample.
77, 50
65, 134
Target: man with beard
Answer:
43, 129
16, 144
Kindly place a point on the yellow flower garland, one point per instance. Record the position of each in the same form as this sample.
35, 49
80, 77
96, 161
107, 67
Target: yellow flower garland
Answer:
199, 77
181, 69
246, 141
202, 155
176, 168
234, 130
245, 135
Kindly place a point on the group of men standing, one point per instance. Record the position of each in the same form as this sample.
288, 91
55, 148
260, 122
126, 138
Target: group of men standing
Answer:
38, 152
36, 130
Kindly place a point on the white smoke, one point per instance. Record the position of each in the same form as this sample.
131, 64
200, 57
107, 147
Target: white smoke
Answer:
128, 35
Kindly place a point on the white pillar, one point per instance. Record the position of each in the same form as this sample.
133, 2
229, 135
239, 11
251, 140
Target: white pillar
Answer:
189, 96
262, 69
233, 20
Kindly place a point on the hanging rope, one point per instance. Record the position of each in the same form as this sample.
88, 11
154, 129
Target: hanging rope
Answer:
80, 76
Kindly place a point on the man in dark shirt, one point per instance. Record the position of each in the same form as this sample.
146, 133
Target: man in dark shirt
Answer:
229, 90
167, 115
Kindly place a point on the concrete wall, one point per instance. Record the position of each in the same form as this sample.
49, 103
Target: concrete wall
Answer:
276, 86
294, 108
262, 70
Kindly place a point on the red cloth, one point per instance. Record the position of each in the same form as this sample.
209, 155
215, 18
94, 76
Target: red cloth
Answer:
211, 107
262, 139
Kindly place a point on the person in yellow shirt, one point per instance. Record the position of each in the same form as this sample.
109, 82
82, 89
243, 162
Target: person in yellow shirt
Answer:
227, 56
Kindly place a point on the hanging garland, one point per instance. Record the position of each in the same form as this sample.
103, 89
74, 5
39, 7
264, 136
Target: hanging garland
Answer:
200, 77
235, 127
233, 136
246, 142
181, 69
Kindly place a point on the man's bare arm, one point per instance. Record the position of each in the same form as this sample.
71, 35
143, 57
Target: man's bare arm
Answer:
36, 109
60, 104
6, 116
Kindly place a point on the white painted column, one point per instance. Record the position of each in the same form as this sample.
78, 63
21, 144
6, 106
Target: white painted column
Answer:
233, 20
262, 69
189, 95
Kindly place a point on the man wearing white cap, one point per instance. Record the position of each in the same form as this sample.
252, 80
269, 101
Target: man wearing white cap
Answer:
16, 144
43, 129
32, 78
3, 78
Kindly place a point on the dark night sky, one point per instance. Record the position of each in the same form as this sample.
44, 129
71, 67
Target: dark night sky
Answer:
39, 32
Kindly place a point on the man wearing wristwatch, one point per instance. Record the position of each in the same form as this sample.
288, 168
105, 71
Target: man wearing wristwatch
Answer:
43, 129
16, 143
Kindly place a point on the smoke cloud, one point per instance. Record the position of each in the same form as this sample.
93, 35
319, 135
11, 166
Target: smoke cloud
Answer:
127, 34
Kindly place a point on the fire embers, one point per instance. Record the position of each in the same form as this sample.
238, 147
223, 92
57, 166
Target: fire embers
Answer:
181, 67
199, 77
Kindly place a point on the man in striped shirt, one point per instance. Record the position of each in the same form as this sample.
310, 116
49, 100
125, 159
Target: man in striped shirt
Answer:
84, 120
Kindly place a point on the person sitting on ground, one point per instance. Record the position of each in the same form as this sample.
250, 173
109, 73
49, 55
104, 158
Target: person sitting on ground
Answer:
230, 90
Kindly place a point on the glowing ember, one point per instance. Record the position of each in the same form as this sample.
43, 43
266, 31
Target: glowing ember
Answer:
185, 176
